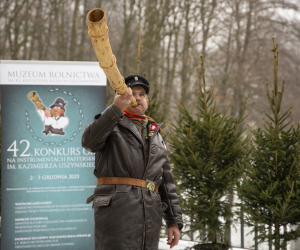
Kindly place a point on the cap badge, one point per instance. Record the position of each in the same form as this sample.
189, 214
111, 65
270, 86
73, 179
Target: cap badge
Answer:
136, 78
153, 127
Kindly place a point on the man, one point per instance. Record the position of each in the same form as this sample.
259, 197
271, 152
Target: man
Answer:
54, 119
135, 187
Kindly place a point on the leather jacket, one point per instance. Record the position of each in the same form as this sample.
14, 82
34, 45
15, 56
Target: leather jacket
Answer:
129, 217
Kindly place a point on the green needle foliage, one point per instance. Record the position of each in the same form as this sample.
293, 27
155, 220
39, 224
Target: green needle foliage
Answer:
206, 149
270, 189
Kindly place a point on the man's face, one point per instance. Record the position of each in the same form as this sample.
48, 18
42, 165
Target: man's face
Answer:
141, 98
57, 111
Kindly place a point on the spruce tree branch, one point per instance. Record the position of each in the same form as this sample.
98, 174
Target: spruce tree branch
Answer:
268, 116
293, 164
267, 91
287, 201
282, 127
285, 115
281, 95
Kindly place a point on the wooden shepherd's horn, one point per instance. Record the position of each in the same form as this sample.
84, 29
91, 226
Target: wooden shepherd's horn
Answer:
98, 31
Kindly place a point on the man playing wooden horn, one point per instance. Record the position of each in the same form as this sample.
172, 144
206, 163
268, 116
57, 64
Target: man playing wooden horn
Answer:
135, 186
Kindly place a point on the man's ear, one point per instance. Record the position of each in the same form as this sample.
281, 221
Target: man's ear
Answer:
147, 101
63, 111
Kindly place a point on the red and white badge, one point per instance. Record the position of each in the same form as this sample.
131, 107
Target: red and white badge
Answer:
153, 127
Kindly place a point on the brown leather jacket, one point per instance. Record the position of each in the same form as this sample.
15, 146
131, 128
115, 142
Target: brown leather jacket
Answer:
129, 217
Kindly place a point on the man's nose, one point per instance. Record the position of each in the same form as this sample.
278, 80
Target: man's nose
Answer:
137, 96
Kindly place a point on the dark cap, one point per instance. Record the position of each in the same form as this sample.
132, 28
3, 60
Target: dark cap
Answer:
133, 80
59, 102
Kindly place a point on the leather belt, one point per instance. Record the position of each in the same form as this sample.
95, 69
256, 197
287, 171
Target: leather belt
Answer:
128, 181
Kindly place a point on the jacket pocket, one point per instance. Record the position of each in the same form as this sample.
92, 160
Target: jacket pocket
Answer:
102, 201
164, 206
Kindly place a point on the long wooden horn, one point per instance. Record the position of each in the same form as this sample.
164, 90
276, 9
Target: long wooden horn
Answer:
98, 31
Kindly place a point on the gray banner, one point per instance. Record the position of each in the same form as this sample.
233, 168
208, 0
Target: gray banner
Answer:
46, 175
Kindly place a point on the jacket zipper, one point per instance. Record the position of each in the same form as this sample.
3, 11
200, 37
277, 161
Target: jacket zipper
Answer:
144, 233
150, 141
144, 236
142, 133
149, 151
142, 130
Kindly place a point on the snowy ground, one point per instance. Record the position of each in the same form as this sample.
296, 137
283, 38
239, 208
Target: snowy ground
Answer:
182, 245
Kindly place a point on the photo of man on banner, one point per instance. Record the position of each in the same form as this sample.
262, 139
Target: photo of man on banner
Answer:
54, 119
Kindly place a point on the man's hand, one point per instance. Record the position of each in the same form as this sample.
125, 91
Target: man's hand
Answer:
123, 101
173, 231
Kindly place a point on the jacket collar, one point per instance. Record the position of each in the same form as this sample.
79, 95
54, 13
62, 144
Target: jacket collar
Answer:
127, 123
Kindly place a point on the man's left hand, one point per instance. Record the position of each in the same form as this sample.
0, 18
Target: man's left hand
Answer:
173, 231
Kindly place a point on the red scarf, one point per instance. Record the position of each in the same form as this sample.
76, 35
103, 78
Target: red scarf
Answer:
137, 117
134, 116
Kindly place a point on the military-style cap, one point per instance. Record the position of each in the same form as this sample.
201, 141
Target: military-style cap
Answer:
133, 80
59, 102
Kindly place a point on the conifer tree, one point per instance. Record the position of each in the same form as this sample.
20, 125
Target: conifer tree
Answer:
270, 189
205, 148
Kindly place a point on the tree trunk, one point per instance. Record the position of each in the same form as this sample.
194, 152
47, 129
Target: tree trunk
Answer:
277, 241
80, 56
73, 43
185, 84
